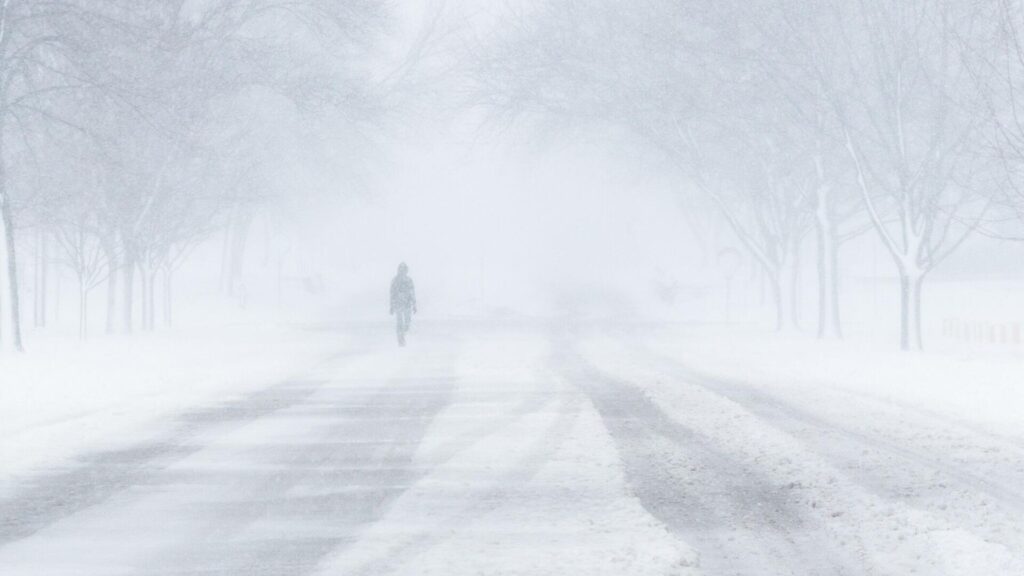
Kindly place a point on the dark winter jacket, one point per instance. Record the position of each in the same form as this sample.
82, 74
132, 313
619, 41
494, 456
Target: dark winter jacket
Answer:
403, 293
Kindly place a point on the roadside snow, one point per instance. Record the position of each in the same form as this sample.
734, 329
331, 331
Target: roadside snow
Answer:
65, 396
980, 388
884, 473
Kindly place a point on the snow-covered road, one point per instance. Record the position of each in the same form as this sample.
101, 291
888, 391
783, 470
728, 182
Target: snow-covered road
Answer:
525, 451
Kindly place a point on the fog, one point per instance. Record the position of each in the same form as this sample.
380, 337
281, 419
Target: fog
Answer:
559, 287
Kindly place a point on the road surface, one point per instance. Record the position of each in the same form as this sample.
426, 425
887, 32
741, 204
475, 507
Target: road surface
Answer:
523, 451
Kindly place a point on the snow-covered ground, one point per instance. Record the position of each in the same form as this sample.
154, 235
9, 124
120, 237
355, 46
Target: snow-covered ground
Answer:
979, 385
520, 449
874, 462
467, 453
522, 478
65, 396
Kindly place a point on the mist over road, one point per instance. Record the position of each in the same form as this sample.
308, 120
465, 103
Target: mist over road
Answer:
518, 450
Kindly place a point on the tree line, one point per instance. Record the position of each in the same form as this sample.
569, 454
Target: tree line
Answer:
130, 130
797, 120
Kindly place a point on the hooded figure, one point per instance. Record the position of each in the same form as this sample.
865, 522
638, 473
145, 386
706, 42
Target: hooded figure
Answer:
403, 301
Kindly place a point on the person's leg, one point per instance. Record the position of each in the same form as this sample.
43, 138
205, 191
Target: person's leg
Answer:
400, 327
406, 319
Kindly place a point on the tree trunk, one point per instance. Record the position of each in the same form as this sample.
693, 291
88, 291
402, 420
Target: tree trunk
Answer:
828, 257
144, 299
794, 286
127, 289
762, 287
836, 320
239, 242
781, 293
1, 308
146, 283
83, 309
225, 257
824, 275
828, 281
41, 288
111, 255
779, 299
56, 295
12, 262
280, 281
44, 300
37, 259
168, 295
151, 299
916, 302
910, 309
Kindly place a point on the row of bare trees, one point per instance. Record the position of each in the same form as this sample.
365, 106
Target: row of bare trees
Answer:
131, 129
797, 119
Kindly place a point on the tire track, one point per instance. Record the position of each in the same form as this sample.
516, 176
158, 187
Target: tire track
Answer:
911, 465
348, 477
326, 466
730, 512
43, 500
964, 478
484, 501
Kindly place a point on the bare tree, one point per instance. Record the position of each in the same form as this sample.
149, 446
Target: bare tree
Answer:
766, 204
999, 72
652, 70
32, 65
187, 75
83, 254
872, 96
153, 93
797, 64
911, 121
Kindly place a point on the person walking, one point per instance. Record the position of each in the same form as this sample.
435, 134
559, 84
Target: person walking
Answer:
403, 301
